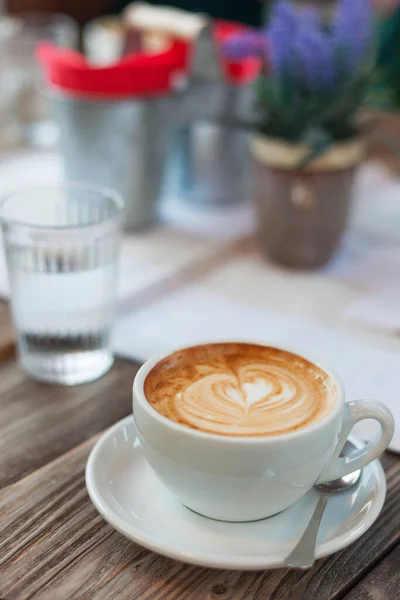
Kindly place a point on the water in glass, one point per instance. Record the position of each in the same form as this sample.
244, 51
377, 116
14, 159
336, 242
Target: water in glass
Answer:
62, 260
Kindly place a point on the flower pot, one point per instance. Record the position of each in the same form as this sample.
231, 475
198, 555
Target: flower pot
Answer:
302, 213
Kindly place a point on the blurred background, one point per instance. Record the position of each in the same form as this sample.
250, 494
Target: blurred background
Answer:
246, 12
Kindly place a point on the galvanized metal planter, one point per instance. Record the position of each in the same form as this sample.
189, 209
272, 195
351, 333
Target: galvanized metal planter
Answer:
124, 144
119, 144
209, 155
211, 164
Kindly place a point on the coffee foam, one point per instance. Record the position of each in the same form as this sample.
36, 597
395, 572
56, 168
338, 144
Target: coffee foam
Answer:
239, 389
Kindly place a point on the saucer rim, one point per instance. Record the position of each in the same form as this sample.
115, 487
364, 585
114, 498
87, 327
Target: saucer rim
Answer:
216, 561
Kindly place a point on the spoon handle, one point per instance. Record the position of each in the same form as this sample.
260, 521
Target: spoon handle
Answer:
303, 554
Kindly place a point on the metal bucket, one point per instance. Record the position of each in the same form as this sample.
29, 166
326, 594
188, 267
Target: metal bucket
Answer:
119, 144
210, 164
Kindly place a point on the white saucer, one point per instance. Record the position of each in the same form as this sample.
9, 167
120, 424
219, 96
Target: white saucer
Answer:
130, 497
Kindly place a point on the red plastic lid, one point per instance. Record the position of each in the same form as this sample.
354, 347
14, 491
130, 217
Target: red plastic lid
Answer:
136, 75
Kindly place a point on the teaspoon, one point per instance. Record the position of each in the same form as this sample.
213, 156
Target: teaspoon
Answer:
303, 554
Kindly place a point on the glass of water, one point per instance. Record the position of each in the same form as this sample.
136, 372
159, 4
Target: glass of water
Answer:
61, 245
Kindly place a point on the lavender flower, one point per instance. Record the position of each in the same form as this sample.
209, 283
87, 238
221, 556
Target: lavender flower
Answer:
315, 77
284, 16
280, 33
315, 58
297, 45
245, 45
304, 49
279, 52
310, 17
352, 31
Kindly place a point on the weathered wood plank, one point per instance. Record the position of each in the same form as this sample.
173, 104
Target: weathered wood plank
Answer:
39, 422
383, 583
54, 545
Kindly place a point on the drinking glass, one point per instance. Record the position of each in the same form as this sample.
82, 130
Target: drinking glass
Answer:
19, 52
61, 245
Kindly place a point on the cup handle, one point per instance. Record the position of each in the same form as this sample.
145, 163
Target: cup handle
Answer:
356, 411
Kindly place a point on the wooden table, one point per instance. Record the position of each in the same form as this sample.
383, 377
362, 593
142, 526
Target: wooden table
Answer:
55, 546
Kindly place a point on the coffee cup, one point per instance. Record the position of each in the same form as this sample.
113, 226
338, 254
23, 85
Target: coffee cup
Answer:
249, 474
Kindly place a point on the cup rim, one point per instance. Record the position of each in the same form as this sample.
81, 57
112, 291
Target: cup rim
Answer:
140, 397
100, 190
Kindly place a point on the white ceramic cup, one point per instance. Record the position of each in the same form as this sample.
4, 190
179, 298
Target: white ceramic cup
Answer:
250, 478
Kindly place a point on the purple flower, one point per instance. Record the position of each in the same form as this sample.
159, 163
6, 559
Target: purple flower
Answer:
279, 51
313, 52
352, 31
284, 16
280, 33
244, 45
286, 31
315, 57
310, 17
296, 44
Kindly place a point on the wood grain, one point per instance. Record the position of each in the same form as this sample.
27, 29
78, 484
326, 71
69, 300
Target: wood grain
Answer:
383, 583
54, 545
39, 422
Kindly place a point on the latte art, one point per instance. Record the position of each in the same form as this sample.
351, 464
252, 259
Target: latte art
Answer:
240, 390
